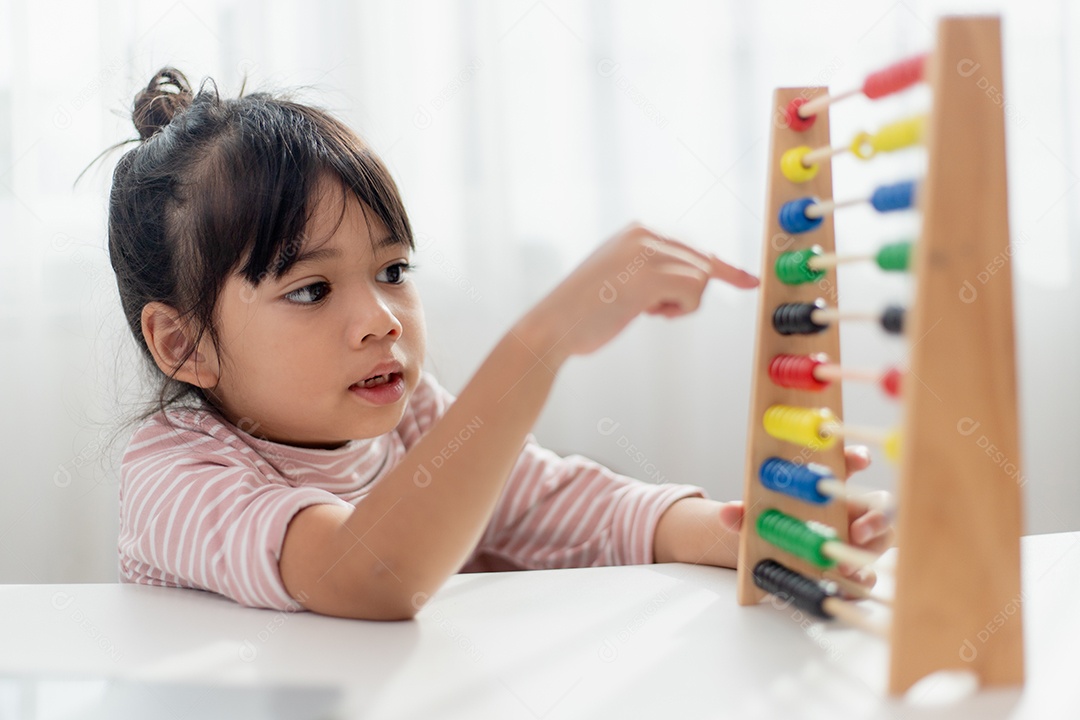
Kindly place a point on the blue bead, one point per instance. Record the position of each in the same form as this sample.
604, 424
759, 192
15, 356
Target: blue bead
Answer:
798, 481
894, 197
793, 216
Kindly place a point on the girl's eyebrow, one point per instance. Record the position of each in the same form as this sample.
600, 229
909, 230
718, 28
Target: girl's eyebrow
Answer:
389, 241
332, 253
316, 254
311, 256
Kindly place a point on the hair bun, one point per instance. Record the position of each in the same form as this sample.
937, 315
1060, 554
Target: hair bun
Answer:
167, 94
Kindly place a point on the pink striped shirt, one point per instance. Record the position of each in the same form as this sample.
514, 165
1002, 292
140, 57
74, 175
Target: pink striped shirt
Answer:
205, 504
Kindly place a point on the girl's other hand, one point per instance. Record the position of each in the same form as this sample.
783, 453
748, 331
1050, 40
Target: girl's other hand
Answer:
867, 529
637, 271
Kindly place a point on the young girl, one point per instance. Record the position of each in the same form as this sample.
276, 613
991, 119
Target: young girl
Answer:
299, 453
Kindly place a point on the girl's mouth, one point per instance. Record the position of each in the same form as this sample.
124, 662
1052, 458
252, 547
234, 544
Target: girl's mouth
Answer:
377, 380
380, 389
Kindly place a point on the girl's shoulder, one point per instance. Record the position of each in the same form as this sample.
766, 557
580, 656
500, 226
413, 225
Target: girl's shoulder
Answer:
181, 431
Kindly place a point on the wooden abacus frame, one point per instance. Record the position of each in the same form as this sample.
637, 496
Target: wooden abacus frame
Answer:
959, 508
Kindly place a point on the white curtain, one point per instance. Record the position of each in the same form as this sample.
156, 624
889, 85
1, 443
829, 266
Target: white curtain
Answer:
521, 134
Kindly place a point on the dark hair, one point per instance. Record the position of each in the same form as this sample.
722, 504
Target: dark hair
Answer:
221, 186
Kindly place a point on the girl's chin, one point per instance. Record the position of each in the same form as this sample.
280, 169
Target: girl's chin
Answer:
354, 421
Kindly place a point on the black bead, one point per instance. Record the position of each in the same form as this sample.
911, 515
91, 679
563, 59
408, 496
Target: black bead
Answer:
784, 583
893, 319
795, 318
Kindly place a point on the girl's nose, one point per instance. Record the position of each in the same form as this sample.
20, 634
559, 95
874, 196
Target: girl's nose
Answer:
373, 322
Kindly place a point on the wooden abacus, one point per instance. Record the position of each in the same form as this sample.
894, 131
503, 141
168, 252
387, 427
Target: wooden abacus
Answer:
958, 516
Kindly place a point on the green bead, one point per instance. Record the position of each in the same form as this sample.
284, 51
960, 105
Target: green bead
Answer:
792, 267
792, 535
894, 256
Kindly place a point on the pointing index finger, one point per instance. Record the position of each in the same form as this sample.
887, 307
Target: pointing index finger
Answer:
730, 274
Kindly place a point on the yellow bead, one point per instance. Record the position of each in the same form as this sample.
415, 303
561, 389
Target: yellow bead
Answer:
802, 426
791, 164
892, 446
862, 146
902, 134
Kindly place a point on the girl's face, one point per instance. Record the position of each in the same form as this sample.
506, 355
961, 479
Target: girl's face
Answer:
295, 351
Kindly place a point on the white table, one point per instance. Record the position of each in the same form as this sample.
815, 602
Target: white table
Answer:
660, 641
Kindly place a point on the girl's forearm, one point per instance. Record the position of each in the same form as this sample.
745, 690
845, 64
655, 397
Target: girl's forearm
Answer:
690, 531
438, 501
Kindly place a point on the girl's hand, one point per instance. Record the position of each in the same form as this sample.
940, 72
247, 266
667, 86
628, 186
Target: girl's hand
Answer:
689, 532
637, 271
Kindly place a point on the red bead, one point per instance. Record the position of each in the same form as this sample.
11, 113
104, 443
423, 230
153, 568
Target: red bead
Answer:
796, 121
797, 371
890, 382
894, 78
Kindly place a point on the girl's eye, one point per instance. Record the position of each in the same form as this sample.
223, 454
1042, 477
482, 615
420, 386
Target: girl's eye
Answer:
309, 294
394, 274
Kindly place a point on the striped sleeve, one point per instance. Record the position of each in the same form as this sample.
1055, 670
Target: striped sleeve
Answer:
202, 517
560, 512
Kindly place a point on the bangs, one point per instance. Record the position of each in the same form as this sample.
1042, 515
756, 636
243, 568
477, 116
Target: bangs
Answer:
329, 195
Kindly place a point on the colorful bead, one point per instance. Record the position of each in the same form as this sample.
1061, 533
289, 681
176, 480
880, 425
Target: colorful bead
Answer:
786, 584
794, 120
896, 136
894, 256
797, 371
791, 165
794, 536
899, 196
793, 216
801, 426
890, 382
895, 77
892, 320
798, 318
793, 268
798, 481
892, 446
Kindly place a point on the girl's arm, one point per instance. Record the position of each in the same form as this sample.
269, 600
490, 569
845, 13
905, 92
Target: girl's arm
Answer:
421, 521
562, 512
706, 532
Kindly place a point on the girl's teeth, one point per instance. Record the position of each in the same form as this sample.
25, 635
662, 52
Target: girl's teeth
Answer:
377, 380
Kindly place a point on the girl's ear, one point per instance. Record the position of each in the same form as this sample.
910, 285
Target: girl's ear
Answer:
169, 339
